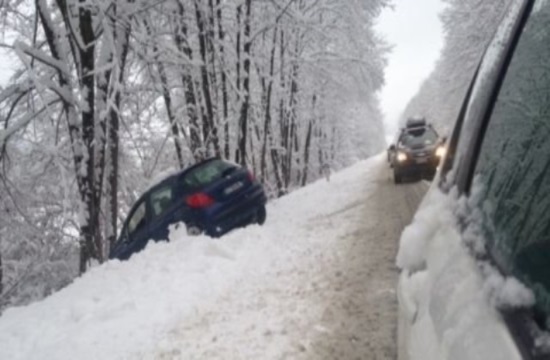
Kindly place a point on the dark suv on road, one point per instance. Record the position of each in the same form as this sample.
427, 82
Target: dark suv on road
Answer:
417, 152
497, 171
211, 197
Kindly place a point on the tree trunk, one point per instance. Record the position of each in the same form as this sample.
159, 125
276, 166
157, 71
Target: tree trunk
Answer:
275, 159
238, 50
238, 55
114, 127
52, 36
199, 95
212, 51
243, 119
321, 151
112, 174
225, 120
91, 195
171, 118
113, 139
166, 95
283, 116
268, 138
85, 142
292, 143
1, 277
188, 84
210, 131
307, 144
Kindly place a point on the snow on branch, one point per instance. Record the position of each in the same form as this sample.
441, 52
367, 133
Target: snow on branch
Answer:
42, 57
15, 90
22, 122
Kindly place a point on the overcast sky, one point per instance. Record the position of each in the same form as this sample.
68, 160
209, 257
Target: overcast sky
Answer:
414, 29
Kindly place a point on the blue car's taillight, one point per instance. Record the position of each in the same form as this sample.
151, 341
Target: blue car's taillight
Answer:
199, 200
251, 176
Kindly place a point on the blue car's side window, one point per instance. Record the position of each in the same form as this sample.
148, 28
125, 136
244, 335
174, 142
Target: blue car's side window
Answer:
138, 220
512, 175
161, 199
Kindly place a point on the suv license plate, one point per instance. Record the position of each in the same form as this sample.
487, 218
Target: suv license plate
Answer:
421, 161
234, 187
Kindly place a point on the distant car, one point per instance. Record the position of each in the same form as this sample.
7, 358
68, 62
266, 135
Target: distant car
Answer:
417, 152
212, 197
475, 280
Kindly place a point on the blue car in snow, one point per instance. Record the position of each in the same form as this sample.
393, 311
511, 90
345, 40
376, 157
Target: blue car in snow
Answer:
211, 197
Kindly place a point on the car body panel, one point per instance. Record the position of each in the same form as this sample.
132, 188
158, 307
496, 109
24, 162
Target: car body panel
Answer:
444, 313
127, 246
234, 211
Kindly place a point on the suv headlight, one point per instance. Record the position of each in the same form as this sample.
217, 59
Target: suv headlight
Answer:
401, 156
440, 151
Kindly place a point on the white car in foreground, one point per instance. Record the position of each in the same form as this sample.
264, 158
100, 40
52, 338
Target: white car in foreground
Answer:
475, 262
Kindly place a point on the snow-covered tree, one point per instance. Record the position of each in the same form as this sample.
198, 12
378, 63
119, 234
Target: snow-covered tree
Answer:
109, 94
469, 26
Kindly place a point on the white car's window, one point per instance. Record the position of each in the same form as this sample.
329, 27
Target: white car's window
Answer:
484, 82
513, 169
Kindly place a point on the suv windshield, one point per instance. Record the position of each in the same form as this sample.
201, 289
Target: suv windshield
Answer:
418, 137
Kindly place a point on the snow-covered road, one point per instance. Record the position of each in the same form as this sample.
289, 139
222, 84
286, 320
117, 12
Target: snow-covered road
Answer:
333, 300
317, 281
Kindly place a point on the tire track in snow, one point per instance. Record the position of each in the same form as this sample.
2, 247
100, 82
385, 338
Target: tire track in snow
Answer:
361, 311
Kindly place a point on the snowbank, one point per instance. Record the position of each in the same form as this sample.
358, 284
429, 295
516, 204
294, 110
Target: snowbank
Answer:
121, 309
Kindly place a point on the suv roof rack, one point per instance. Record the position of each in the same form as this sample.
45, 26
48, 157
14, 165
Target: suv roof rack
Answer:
415, 122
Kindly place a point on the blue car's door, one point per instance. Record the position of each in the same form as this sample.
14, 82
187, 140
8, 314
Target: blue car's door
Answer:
135, 233
164, 211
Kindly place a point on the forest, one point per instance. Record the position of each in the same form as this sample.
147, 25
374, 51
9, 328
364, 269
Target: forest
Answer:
108, 96
468, 25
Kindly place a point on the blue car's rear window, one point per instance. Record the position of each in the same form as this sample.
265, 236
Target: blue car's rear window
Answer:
207, 173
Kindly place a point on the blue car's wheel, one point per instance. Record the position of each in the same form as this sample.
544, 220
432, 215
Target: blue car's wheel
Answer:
261, 215
193, 230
